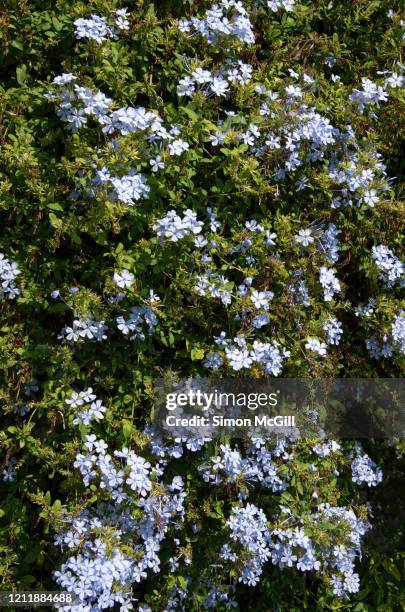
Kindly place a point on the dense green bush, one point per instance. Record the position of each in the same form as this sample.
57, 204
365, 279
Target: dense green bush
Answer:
68, 223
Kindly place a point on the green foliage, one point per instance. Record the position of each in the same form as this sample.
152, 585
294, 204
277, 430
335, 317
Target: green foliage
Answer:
58, 246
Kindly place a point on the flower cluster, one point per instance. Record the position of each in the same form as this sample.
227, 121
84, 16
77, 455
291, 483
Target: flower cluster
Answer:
215, 285
115, 544
333, 331
218, 83
96, 27
359, 184
316, 346
380, 349
253, 543
369, 94
392, 270
84, 329
97, 573
299, 291
329, 243
227, 18
249, 530
293, 546
258, 466
325, 449
239, 355
364, 470
329, 282
172, 227
366, 310
77, 104
398, 332
140, 317
128, 188
8, 273
276, 5
90, 408
391, 343
130, 120
306, 137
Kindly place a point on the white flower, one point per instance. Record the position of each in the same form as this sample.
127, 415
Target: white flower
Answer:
304, 237
219, 86
260, 299
329, 282
315, 345
177, 147
124, 278
396, 80
370, 197
157, 164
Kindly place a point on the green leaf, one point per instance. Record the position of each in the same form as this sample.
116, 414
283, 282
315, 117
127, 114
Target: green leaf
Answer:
127, 429
21, 73
58, 25
55, 206
197, 354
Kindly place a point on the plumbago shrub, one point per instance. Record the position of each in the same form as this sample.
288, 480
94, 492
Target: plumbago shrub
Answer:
197, 189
